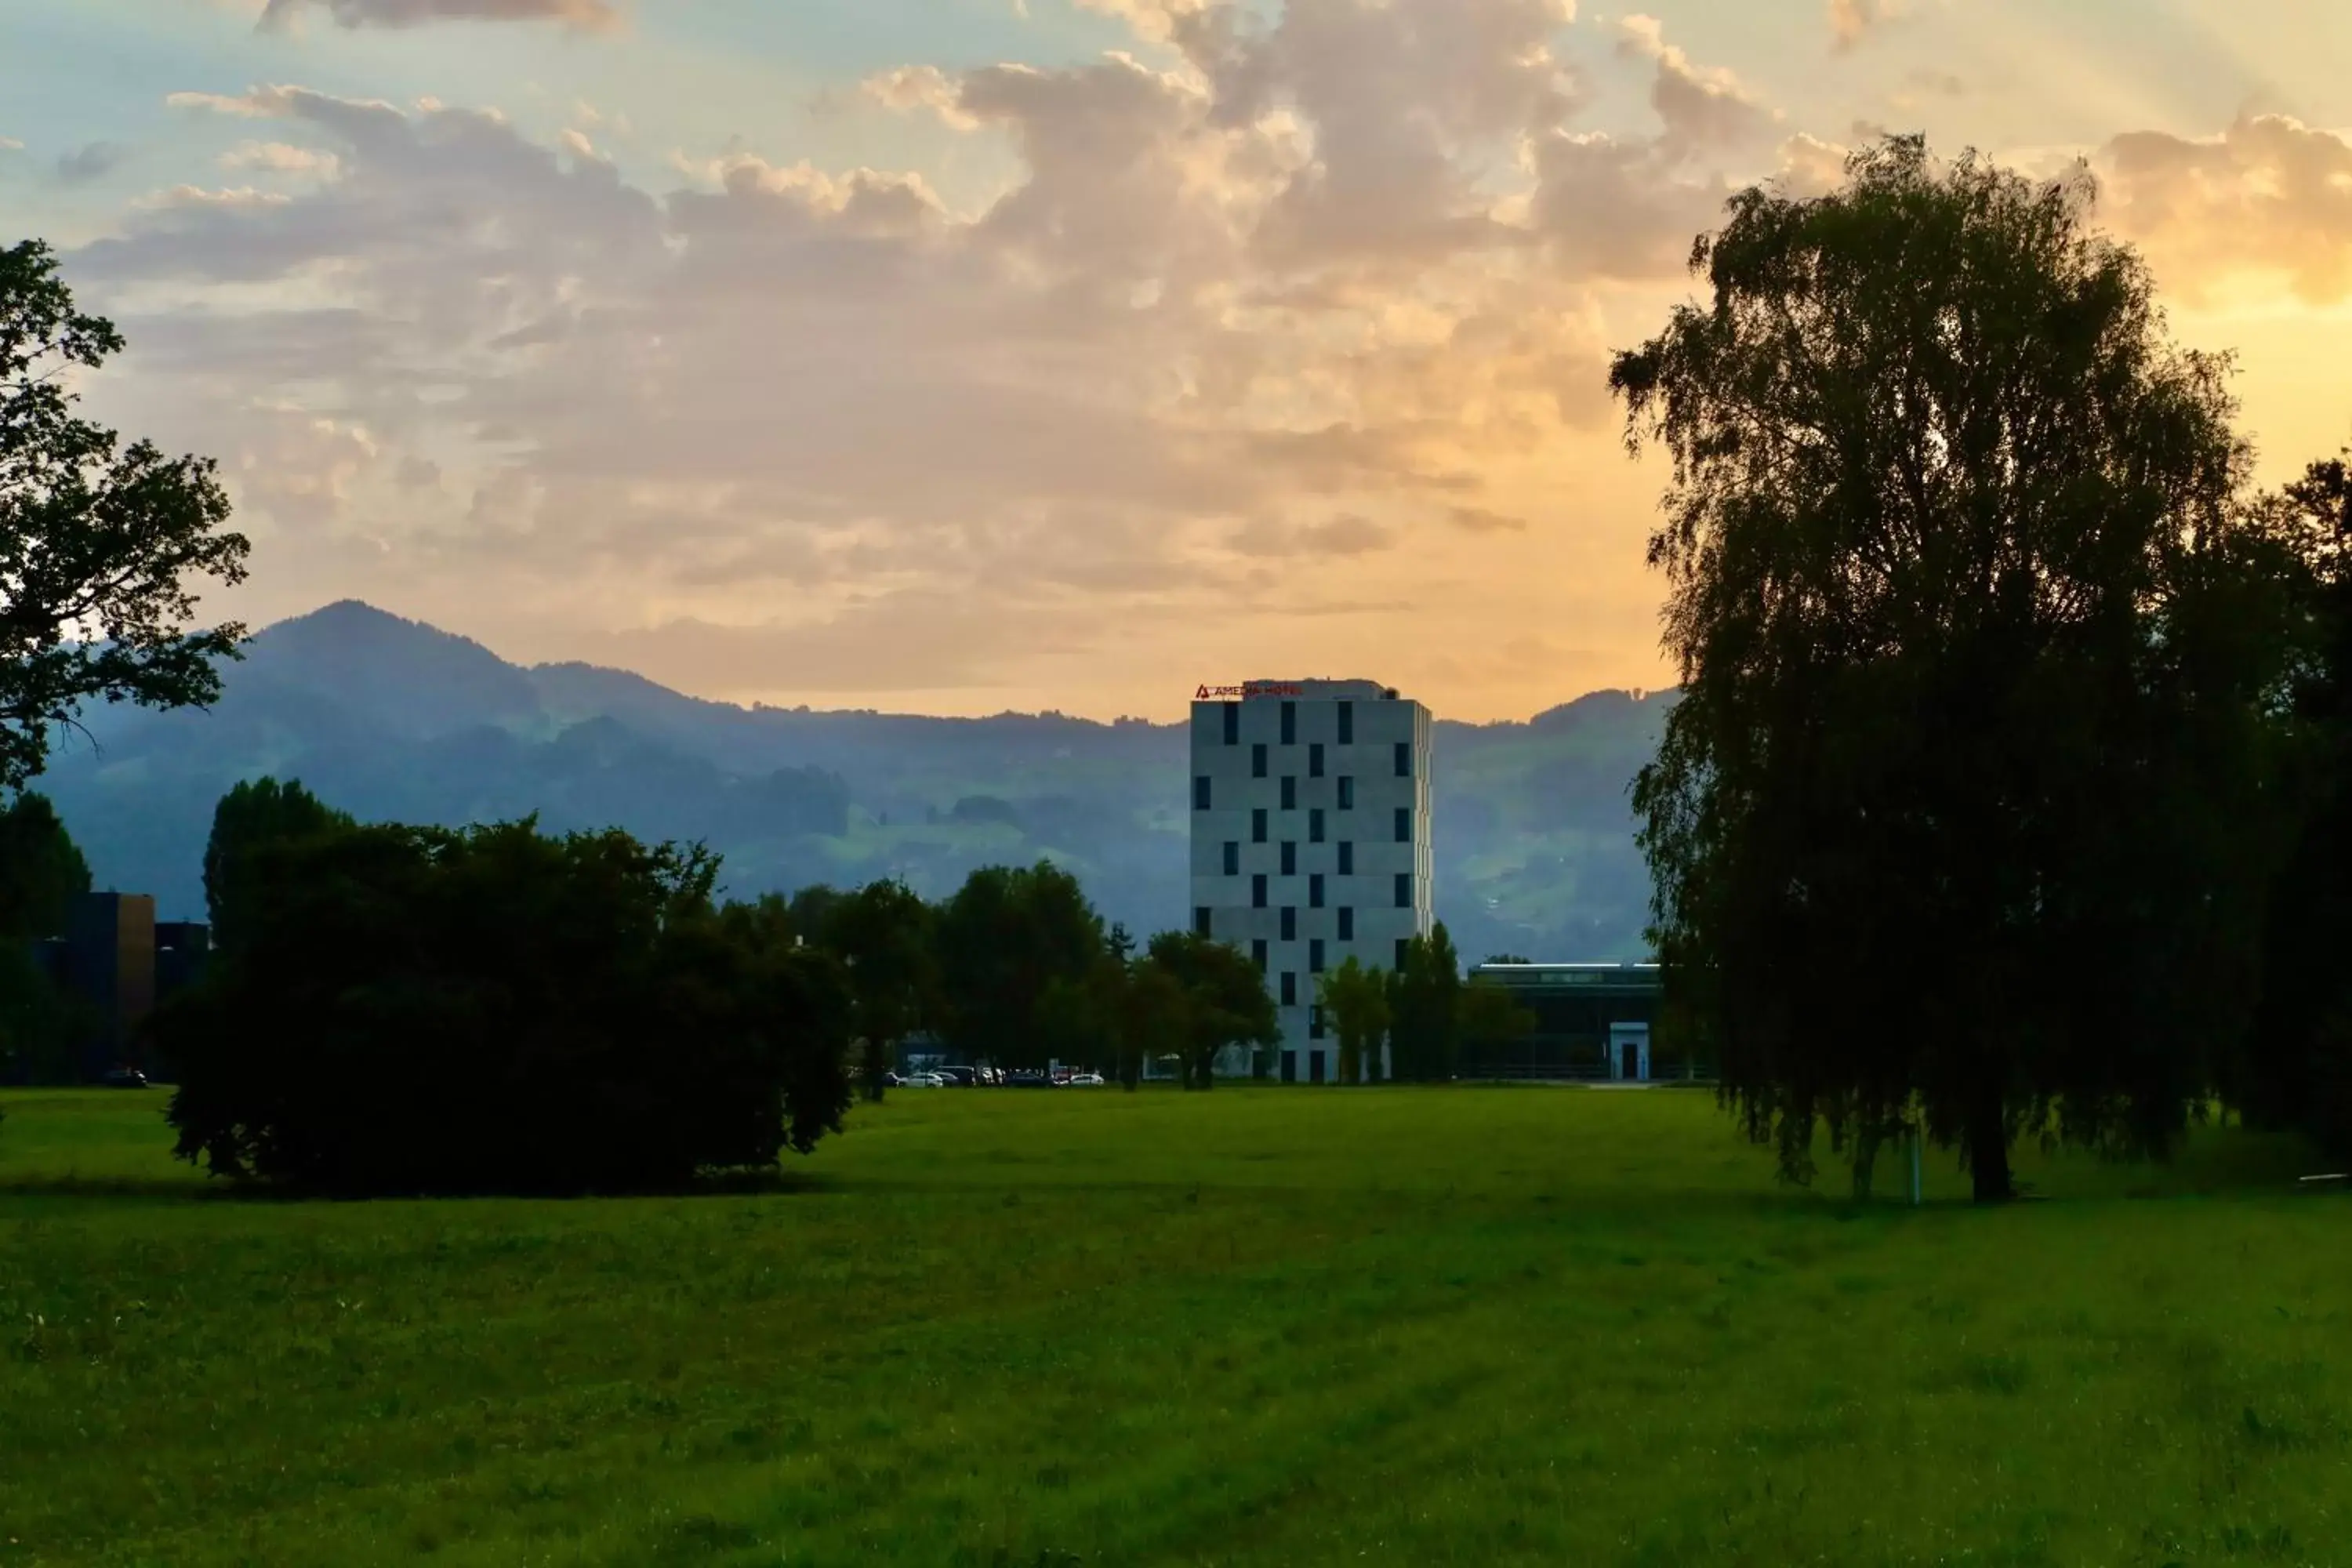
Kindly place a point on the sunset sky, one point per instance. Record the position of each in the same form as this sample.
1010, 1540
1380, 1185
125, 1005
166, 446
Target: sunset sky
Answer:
959, 355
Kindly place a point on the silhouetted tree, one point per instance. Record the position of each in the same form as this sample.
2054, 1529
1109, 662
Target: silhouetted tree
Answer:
1225, 1001
1971, 631
100, 545
882, 935
1005, 939
1356, 1008
1488, 1016
41, 872
256, 816
417, 1010
1423, 991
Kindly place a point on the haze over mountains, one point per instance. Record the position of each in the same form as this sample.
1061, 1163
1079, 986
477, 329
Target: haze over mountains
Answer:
392, 719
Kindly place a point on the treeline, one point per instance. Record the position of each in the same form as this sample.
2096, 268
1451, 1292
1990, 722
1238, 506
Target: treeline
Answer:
2010, 794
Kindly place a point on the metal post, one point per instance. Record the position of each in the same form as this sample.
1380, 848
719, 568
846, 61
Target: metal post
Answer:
1915, 1165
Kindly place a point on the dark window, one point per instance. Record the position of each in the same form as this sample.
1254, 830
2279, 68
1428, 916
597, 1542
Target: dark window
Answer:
1315, 1064
1315, 956
1315, 1022
1258, 760
1289, 792
1404, 944
1201, 793
1404, 825
1405, 890
1233, 724
1315, 891
1201, 921
1347, 791
1257, 891
1257, 826
1404, 759
1289, 989
1290, 723
1347, 857
1315, 761
1290, 1066
1290, 923
1347, 924
1232, 857
1290, 858
1257, 954
1315, 825
1347, 724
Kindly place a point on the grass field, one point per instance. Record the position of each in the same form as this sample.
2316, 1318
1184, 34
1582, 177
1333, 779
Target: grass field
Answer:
1258, 1326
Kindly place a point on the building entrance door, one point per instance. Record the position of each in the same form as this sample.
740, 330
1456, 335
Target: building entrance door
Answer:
1315, 1064
1629, 1053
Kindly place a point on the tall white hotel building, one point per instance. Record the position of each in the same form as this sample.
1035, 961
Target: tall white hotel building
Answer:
1310, 839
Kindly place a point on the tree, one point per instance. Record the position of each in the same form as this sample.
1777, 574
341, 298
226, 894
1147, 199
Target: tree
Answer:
1355, 1005
257, 816
98, 544
2296, 1068
1226, 1000
41, 872
1488, 1017
1154, 1022
882, 935
1422, 996
1950, 817
1004, 937
415, 1010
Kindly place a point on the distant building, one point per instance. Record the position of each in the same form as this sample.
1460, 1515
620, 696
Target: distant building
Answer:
120, 962
1310, 841
1593, 1021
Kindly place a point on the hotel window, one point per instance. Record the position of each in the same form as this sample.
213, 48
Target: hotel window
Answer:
1403, 946
1289, 989
1290, 723
1257, 954
1257, 826
1201, 921
1347, 724
1315, 891
1347, 857
1347, 791
1290, 858
1258, 760
1232, 857
1315, 825
1405, 890
1347, 924
1201, 793
1315, 956
1257, 891
1314, 760
1314, 1024
1290, 792
1404, 825
1233, 724
1290, 1066
1404, 759
1290, 923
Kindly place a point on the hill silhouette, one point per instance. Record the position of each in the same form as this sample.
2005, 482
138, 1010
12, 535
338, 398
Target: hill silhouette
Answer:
394, 720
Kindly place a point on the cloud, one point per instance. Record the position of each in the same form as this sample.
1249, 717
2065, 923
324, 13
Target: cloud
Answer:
1700, 106
2268, 199
279, 158
587, 16
926, 87
1344, 535
10, 144
1851, 21
89, 162
1477, 519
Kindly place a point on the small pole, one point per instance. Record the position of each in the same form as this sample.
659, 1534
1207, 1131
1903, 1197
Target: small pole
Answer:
1915, 1165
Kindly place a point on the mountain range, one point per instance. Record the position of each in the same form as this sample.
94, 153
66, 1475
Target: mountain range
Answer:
395, 720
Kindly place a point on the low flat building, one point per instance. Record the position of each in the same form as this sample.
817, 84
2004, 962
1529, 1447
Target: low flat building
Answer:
1595, 1022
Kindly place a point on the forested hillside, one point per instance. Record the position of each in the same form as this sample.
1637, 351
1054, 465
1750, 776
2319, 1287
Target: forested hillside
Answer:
392, 719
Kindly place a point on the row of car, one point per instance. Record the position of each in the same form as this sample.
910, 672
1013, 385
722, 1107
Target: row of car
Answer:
991, 1078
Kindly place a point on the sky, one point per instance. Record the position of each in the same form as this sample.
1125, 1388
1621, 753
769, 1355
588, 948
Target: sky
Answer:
960, 356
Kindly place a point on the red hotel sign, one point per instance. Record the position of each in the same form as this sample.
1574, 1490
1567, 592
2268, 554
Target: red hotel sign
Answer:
1249, 689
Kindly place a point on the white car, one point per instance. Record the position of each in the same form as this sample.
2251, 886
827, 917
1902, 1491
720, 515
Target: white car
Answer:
1086, 1080
922, 1080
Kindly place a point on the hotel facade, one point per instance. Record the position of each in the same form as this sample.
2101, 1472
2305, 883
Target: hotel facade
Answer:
1310, 841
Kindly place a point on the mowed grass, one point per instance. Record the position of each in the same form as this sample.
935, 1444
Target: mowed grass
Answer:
1256, 1326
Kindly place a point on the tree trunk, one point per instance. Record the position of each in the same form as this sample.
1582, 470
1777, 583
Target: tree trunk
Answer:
875, 1068
1988, 1144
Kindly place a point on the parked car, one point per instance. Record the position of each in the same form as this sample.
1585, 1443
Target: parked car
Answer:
1086, 1080
956, 1078
1028, 1078
126, 1077
920, 1081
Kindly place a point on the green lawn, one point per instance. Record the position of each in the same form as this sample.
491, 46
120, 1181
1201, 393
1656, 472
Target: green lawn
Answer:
1468, 1326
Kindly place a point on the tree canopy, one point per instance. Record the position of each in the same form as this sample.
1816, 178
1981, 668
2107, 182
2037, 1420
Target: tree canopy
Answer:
101, 545
1225, 999
1004, 937
1974, 633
